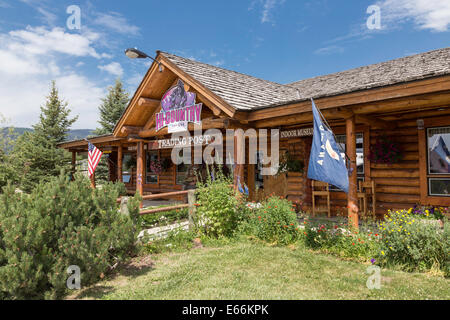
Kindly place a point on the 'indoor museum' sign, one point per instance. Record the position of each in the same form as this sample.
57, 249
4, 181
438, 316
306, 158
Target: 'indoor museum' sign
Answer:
178, 109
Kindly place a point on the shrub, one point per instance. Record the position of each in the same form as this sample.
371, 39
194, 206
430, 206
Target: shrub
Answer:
274, 220
217, 211
61, 223
414, 244
342, 240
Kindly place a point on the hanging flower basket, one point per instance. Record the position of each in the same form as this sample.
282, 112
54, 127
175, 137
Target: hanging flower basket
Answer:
156, 167
385, 151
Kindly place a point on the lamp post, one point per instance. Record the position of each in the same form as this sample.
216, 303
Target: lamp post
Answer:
134, 53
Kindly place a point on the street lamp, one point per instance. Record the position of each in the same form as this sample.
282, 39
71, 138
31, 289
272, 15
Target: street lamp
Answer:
134, 53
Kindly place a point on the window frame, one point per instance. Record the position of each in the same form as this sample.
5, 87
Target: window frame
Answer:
425, 197
433, 176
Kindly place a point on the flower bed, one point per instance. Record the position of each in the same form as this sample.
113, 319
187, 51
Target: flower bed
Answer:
412, 244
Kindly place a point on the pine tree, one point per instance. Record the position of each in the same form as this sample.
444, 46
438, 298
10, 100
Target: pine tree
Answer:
111, 109
6, 144
54, 122
35, 156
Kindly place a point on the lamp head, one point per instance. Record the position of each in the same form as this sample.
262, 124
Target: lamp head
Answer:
134, 53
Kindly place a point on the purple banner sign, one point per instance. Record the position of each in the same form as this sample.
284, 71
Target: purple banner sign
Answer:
178, 109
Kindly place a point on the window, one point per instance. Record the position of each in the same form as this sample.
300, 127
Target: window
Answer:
151, 178
341, 141
438, 171
259, 179
182, 168
129, 162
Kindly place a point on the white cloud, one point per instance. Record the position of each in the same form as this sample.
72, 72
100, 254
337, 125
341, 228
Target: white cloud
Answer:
329, 50
117, 23
426, 14
29, 61
22, 96
113, 68
47, 16
42, 41
268, 6
218, 63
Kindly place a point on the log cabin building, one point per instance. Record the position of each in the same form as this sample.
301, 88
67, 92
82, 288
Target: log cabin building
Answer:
405, 100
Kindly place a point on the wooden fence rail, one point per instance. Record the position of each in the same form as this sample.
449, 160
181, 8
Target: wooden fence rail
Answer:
191, 204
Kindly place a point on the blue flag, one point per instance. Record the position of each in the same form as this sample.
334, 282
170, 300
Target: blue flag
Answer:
325, 161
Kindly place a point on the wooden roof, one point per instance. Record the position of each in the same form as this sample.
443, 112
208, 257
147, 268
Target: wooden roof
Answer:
245, 92
416, 67
241, 91
82, 144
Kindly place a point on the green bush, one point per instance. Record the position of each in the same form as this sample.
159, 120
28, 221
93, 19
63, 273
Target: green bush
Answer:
217, 211
274, 220
413, 243
61, 223
341, 240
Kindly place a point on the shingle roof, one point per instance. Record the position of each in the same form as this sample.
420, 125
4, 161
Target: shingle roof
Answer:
245, 92
416, 67
241, 91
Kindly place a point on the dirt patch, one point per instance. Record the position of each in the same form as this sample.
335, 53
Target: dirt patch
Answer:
141, 263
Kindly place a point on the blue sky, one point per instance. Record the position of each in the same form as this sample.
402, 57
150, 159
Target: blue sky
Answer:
277, 40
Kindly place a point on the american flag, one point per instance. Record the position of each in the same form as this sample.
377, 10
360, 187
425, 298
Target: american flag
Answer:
93, 158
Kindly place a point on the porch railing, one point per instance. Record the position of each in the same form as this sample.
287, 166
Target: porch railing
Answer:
190, 204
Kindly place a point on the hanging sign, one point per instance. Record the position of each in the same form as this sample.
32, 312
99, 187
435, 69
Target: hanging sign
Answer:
178, 108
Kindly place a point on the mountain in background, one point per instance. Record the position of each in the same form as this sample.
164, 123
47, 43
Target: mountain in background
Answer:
75, 134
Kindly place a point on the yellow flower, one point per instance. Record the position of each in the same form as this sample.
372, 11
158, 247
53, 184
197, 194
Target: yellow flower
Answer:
382, 252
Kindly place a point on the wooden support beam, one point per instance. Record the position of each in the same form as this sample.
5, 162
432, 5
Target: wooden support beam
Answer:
352, 198
127, 130
140, 169
374, 122
74, 162
239, 158
119, 163
148, 103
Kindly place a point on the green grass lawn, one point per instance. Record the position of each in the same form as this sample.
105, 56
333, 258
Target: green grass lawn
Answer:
247, 270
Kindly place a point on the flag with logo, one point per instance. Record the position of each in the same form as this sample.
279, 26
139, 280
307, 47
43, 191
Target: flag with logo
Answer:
94, 155
325, 162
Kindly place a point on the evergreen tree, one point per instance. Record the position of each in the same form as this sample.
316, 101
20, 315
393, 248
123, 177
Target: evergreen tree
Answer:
35, 156
111, 109
6, 144
54, 122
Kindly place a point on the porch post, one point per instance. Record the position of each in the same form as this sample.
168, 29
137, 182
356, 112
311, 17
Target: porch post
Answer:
119, 163
74, 161
239, 157
140, 168
352, 200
